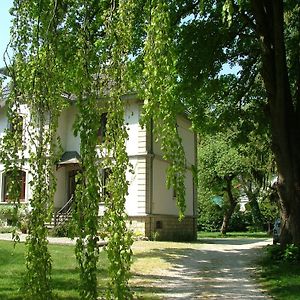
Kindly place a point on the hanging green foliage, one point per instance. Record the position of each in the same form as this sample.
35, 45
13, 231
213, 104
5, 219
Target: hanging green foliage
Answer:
120, 239
161, 103
84, 48
34, 106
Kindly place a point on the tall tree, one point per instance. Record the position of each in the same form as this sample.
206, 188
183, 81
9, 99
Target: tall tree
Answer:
273, 52
219, 166
233, 170
262, 39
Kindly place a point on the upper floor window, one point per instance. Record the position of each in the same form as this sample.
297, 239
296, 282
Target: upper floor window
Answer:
21, 177
102, 128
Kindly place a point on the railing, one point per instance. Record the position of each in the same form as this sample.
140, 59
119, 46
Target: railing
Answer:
63, 214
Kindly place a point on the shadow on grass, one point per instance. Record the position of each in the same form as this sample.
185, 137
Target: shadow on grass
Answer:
281, 278
65, 284
65, 274
230, 241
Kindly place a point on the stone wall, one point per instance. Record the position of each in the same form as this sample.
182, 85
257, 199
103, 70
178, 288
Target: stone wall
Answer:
164, 227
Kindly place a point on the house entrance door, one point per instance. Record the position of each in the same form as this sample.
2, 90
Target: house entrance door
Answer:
72, 183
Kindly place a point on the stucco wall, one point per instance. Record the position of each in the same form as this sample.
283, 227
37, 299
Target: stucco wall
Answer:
65, 130
188, 140
136, 140
136, 198
60, 196
163, 201
3, 121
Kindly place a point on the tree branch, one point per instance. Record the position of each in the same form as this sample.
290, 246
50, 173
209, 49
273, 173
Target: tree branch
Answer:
186, 10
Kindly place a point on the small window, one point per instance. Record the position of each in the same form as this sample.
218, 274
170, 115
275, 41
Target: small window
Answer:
174, 193
102, 128
158, 225
22, 182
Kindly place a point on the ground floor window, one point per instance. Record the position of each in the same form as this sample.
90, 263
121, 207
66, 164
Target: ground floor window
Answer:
22, 180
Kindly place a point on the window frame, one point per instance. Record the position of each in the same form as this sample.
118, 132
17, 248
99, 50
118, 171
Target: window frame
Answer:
23, 178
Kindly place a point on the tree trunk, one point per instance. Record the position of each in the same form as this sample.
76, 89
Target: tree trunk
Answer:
226, 218
284, 113
256, 214
252, 192
232, 204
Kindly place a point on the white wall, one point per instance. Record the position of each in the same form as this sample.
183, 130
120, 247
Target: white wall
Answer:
61, 194
163, 201
136, 199
3, 121
131, 119
65, 130
188, 139
188, 142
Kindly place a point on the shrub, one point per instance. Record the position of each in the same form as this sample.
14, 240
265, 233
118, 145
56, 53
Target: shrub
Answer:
240, 221
6, 229
291, 253
274, 252
6, 212
62, 230
210, 218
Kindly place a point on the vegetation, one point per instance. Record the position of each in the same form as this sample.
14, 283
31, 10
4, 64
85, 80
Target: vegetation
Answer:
262, 40
65, 273
203, 234
173, 55
84, 49
280, 272
229, 171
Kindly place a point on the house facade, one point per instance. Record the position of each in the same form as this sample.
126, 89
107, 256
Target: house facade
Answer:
151, 207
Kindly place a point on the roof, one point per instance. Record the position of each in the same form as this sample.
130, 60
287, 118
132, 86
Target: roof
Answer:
69, 157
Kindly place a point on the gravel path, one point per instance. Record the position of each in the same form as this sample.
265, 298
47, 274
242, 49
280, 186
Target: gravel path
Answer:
211, 269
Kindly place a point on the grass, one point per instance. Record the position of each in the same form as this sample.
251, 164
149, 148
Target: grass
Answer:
65, 275
247, 234
152, 260
280, 278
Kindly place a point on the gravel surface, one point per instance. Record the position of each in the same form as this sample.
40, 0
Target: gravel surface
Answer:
209, 269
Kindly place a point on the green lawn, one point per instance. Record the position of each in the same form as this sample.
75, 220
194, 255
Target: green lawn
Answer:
256, 235
281, 279
64, 275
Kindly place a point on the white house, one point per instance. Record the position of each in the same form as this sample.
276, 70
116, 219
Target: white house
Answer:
151, 207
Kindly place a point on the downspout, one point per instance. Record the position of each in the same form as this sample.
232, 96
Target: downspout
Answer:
195, 189
150, 158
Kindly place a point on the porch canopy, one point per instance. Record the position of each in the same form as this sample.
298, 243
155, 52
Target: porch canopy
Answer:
69, 158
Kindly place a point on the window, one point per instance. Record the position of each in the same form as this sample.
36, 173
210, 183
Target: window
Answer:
174, 193
158, 225
102, 128
21, 177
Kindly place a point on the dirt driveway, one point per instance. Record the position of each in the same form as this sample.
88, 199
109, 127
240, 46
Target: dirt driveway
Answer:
209, 269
